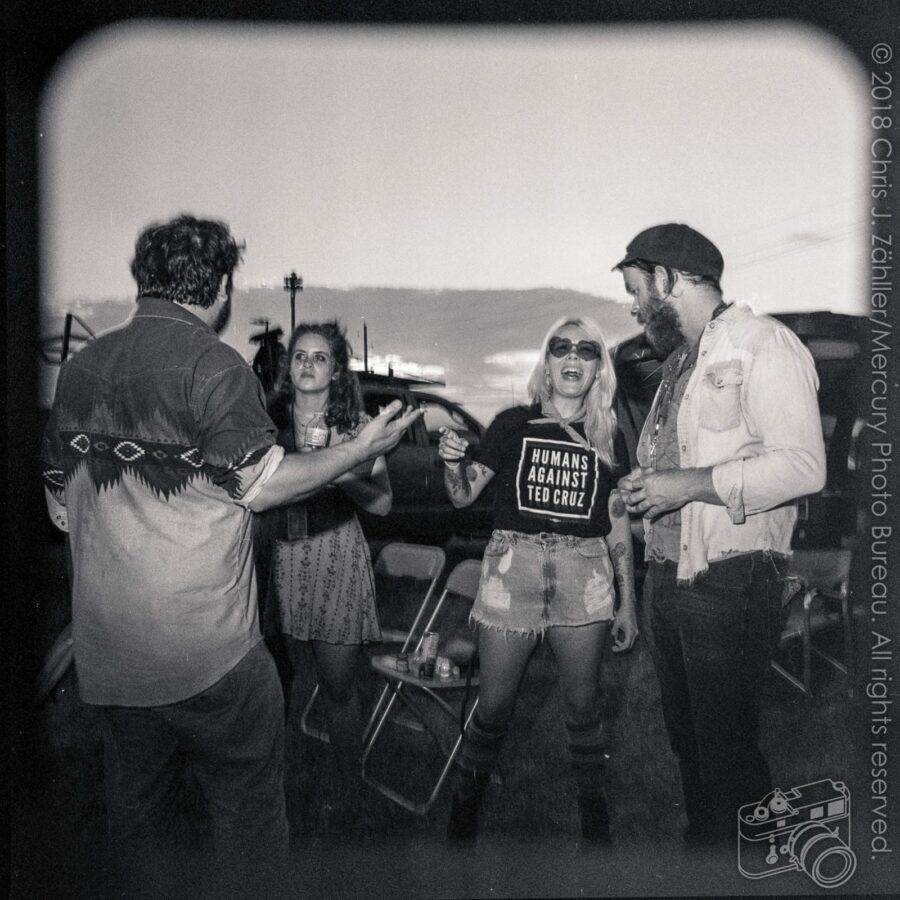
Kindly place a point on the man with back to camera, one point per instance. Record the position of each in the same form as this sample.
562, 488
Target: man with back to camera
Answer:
157, 451
732, 438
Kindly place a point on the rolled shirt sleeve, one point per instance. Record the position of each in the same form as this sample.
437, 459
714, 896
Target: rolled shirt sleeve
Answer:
253, 477
57, 510
237, 437
781, 404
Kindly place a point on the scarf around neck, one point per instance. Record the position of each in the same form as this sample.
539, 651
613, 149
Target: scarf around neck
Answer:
550, 416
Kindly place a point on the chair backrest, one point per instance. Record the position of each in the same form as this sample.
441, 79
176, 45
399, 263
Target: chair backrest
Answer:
447, 617
464, 578
824, 569
421, 562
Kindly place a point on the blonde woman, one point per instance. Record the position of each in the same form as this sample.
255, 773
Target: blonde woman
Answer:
560, 531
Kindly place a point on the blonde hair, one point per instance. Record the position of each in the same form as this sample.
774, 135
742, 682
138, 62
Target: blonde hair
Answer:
600, 416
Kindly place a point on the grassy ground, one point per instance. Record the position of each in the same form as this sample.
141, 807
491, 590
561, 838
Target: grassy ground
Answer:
348, 846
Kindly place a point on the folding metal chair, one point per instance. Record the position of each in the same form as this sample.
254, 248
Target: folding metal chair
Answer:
443, 705
822, 602
417, 562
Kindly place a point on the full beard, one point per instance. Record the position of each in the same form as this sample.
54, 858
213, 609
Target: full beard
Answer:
662, 328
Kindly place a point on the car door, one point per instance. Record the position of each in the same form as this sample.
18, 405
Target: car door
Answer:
409, 463
440, 413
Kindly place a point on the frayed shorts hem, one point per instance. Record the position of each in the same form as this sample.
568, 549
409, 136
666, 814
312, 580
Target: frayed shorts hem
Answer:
479, 620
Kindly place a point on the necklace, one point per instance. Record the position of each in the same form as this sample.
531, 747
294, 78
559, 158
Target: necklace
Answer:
670, 380
673, 371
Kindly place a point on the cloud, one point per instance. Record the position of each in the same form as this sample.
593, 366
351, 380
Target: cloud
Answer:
381, 363
513, 359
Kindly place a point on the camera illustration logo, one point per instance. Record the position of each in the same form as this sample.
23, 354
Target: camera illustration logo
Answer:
805, 828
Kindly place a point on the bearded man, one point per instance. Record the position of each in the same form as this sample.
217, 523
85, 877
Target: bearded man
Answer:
732, 439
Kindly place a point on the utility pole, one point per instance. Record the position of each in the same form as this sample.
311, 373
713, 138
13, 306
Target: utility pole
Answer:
365, 346
293, 283
67, 335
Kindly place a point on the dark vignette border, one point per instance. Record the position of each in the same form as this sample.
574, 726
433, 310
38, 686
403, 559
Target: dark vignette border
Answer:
39, 33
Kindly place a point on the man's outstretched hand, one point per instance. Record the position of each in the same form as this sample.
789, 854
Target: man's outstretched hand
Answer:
383, 432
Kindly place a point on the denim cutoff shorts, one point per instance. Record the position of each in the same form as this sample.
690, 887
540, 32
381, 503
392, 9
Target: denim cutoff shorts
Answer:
532, 581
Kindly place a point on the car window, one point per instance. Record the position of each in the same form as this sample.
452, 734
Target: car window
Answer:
374, 401
438, 416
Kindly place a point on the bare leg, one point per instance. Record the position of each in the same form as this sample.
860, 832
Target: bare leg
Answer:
336, 668
504, 658
578, 651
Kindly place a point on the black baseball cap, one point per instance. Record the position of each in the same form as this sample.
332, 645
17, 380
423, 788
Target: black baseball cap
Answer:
676, 246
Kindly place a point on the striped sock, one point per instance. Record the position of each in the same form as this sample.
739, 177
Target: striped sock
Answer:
481, 746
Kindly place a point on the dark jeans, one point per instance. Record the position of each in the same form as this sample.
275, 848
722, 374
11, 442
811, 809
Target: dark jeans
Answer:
232, 736
711, 643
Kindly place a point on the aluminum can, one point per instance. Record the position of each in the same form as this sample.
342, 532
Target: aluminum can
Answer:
429, 652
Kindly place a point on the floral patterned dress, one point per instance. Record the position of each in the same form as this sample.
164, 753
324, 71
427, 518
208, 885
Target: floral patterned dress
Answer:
321, 583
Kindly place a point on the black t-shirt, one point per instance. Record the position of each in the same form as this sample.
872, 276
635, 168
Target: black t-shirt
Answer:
544, 481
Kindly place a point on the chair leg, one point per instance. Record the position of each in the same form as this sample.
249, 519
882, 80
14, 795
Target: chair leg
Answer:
790, 677
419, 808
849, 656
807, 661
845, 666
308, 729
375, 711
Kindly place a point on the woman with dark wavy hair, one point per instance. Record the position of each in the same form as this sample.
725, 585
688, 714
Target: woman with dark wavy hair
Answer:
321, 584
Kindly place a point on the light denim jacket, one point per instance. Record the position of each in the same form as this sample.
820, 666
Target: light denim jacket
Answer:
750, 411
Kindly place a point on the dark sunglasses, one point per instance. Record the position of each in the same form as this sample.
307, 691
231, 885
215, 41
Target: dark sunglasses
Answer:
586, 350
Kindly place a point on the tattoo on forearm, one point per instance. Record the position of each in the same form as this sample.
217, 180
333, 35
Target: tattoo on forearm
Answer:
623, 563
618, 507
473, 470
455, 481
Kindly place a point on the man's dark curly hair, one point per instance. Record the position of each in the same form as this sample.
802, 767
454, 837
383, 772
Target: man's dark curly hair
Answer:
648, 267
344, 397
184, 260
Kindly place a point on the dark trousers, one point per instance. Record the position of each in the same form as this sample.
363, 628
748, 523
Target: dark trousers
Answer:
232, 735
711, 643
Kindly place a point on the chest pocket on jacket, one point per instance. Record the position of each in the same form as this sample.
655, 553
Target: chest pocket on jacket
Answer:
721, 397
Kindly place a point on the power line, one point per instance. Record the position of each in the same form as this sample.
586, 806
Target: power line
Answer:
797, 245
793, 216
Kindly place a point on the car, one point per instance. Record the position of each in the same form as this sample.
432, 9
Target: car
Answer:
421, 511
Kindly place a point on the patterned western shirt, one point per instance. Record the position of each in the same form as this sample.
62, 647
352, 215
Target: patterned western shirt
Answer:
157, 441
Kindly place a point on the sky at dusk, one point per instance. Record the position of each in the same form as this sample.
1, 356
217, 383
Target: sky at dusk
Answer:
454, 158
